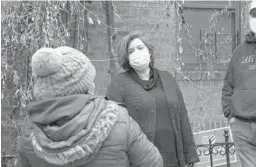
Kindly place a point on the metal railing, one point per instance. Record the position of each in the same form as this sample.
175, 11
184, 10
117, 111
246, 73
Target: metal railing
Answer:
9, 160
210, 149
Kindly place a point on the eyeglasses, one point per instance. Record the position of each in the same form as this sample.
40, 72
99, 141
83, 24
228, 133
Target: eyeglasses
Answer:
253, 13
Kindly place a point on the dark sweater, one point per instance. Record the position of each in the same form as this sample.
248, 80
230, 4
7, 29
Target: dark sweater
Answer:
142, 108
164, 135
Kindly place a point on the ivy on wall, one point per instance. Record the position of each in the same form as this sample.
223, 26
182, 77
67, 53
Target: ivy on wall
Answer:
26, 27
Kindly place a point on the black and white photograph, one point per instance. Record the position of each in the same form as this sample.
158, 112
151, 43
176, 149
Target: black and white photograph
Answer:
128, 83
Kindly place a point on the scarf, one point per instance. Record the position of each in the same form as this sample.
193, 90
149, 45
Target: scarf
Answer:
147, 85
71, 128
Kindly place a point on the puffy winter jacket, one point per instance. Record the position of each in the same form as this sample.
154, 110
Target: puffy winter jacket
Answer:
97, 133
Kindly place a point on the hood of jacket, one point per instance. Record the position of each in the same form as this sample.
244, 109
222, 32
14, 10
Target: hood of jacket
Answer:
70, 130
250, 37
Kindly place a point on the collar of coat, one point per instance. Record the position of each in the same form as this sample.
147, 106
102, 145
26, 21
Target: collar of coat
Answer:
94, 121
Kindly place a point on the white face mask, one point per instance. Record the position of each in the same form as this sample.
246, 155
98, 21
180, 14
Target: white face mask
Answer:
139, 56
252, 24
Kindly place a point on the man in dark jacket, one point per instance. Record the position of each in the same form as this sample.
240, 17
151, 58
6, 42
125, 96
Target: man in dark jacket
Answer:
239, 95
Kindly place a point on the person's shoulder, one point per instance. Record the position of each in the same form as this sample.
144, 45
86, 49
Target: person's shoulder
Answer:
24, 144
122, 113
238, 51
123, 76
120, 107
240, 48
120, 75
120, 79
164, 74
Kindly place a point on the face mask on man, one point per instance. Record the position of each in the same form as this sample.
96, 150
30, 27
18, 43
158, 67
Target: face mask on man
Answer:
252, 19
139, 59
253, 24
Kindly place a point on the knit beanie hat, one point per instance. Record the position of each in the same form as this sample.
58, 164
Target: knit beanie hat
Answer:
61, 71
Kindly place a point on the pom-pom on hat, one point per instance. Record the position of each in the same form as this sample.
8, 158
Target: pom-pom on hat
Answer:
61, 71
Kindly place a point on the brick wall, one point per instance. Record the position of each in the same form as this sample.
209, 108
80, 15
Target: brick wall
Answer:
202, 97
203, 101
143, 16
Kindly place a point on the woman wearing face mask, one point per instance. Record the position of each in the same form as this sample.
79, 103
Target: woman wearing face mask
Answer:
154, 100
239, 95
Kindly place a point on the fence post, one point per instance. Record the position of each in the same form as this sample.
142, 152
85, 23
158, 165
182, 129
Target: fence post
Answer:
210, 151
226, 135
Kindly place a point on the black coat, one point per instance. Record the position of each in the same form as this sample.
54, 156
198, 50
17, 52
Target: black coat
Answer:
141, 106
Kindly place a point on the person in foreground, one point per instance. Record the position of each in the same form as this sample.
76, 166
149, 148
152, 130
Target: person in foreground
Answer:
72, 127
239, 95
154, 100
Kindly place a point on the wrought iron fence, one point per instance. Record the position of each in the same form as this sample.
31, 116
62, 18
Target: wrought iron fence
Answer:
9, 160
210, 149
